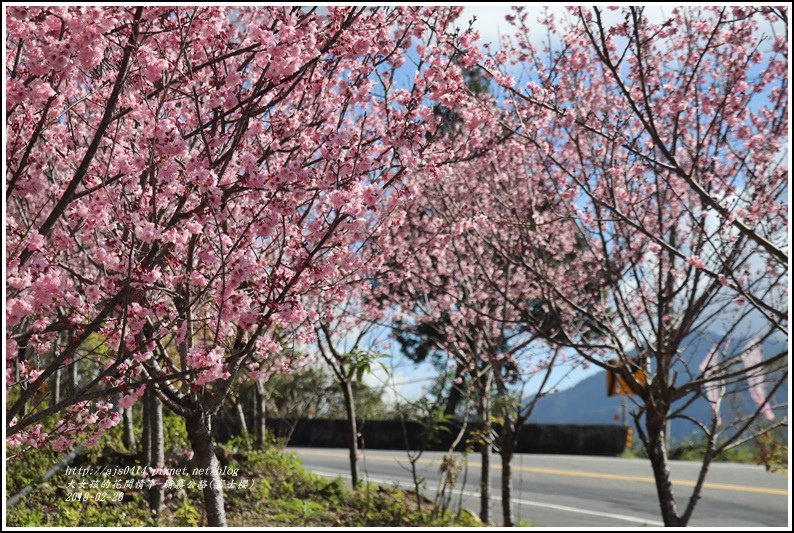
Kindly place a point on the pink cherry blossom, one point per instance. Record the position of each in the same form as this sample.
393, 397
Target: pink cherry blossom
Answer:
129, 400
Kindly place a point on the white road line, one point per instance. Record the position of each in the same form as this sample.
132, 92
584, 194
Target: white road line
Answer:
615, 516
642, 521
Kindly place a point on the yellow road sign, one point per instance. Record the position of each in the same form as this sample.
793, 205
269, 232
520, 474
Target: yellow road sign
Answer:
616, 383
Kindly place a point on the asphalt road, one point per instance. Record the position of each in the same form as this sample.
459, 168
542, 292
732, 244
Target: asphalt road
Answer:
572, 490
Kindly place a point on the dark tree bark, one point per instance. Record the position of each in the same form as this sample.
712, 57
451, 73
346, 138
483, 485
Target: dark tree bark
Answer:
456, 392
485, 482
74, 381
352, 431
198, 431
656, 447
485, 454
506, 452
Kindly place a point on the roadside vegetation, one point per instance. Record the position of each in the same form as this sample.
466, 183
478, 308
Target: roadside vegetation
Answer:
769, 450
280, 493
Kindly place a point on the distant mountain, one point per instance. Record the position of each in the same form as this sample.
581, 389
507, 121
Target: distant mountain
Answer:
587, 402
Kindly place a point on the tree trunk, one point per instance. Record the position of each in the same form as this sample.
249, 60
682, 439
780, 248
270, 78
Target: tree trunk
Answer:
657, 453
146, 438
56, 387
695, 497
74, 377
238, 406
260, 411
506, 453
352, 432
507, 484
198, 431
128, 437
485, 482
157, 451
485, 456
56, 376
456, 393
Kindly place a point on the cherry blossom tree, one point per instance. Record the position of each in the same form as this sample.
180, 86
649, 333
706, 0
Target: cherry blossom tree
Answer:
342, 342
178, 179
665, 144
447, 289
471, 302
